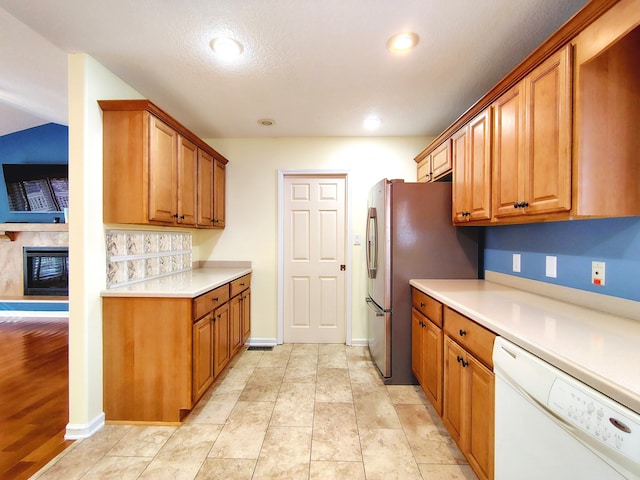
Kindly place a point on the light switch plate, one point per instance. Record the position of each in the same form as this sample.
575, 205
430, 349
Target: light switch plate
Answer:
516, 262
551, 270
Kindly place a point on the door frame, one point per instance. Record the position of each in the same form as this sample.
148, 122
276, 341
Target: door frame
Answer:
348, 253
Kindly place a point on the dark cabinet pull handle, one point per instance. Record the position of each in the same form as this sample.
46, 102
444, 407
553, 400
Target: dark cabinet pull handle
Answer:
462, 332
516, 205
422, 305
181, 217
175, 215
465, 364
459, 358
215, 299
242, 284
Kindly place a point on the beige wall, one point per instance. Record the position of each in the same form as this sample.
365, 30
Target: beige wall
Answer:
251, 229
88, 82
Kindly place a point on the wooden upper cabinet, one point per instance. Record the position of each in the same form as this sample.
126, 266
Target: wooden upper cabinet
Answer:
607, 114
187, 181
508, 148
436, 164
162, 171
151, 165
441, 160
424, 170
205, 189
532, 142
548, 135
219, 182
471, 159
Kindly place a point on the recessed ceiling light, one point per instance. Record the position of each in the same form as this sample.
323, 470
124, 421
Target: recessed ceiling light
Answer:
226, 47
372, 122
402, 42
266, 122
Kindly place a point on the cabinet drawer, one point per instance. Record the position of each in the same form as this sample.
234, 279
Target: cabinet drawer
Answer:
430, 308
210, 300
475, 338
240, 284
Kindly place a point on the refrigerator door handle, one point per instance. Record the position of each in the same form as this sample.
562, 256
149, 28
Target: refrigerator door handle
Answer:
375, 308
372, 242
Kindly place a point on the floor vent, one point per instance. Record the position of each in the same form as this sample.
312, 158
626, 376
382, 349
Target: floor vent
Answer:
255, 347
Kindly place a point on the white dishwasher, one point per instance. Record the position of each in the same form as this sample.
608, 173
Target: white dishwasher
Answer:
548, 425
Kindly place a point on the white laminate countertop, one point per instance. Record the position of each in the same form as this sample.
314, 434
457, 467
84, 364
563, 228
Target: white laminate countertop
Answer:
600, 349
188, 284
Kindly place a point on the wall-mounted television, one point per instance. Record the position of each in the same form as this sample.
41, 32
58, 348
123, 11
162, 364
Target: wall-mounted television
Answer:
40, 188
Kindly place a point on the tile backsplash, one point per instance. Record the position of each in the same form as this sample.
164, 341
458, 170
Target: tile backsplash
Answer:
135, 256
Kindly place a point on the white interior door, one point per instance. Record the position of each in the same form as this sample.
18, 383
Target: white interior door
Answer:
314, 259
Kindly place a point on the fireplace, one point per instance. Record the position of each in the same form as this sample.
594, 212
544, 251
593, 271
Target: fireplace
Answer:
46, 271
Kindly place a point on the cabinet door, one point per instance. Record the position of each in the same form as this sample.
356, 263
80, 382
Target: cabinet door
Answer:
432, 361
219, 181
417, 329
246, 315
235, 312
202, 355
471, 159
205, 189
162, 171
548, 135
461, 176
441, 160
454, 398
508, 169
222, 351
480, 408
424, 170
479, 161
187, 181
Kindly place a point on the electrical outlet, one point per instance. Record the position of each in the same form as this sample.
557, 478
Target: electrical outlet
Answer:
551, 269
356, 239
516, 262
597, 273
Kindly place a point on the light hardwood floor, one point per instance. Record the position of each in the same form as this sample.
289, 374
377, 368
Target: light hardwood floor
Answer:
297, 412
33, 393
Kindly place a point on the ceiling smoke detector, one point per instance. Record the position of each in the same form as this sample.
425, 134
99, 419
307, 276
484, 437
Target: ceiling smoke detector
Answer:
266, 122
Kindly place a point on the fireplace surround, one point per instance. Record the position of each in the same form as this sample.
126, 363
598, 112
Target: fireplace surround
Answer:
46, 271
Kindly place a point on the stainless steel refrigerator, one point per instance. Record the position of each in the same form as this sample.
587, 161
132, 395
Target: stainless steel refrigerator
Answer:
409, 235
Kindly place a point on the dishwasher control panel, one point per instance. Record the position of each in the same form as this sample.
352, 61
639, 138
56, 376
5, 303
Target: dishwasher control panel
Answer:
596, 416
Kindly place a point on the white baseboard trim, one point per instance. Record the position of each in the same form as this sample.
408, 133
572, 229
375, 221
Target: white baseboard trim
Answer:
261, 342
76, 431
359, 342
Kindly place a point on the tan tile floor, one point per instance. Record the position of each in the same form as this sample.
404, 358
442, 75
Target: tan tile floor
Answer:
297, 412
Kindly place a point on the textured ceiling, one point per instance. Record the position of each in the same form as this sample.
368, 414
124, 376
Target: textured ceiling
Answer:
316, 67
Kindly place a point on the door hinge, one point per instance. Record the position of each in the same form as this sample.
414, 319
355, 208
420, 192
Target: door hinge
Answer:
343, 268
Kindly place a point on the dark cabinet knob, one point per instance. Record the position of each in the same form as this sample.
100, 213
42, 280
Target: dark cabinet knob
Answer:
462, 332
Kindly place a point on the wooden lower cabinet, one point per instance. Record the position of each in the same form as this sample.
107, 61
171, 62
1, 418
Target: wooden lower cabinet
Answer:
468, 411
160, 355
221, 337
426, 357
246, 315
451, 359
203, 342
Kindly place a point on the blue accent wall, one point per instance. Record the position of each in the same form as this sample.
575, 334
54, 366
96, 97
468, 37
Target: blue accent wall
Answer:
44, 144
576, 244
